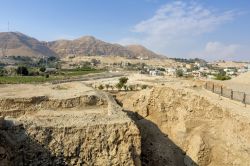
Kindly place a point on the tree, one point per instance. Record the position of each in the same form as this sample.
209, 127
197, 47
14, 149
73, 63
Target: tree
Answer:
42, 69
144, 87
112, 87
100, 87
3, 72
22, 70
123, 80
222, 75
125, 87
119, 86
107, 86
179, 73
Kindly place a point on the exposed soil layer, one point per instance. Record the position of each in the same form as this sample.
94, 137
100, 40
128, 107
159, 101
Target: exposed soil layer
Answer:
66, 124
183, 127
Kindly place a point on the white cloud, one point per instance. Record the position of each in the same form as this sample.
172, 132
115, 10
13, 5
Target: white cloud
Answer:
180, 18
177, 26
218, 50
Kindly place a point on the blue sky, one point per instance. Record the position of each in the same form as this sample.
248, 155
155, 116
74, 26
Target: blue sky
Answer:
210, 29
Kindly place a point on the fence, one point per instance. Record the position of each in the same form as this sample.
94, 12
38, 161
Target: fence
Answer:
228, 93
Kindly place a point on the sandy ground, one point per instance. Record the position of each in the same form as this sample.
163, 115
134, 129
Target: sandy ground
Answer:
192, 84
231, 64
116, 59
240, 83
60, 91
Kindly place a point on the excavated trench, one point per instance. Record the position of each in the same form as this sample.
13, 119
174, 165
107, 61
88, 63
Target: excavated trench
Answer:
169, 126
180, 127
88, 128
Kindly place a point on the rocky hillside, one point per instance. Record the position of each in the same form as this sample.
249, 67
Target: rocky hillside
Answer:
89, 45
18, 44
143, 52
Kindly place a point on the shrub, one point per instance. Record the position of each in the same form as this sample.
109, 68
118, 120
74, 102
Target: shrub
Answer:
34, 73
112, 87
222, 76
47, 76
119, 86
144, 87
123, 80
131, 87
107, 86
100, 87
22, 70
179, 73
125, 87
2, 72
42, 69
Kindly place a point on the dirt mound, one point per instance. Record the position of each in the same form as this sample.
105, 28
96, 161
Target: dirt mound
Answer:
242, 79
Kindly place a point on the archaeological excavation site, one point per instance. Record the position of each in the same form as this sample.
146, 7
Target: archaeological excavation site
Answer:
75, 124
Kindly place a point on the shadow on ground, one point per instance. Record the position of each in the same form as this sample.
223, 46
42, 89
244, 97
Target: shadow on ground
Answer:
157, 148
19, 149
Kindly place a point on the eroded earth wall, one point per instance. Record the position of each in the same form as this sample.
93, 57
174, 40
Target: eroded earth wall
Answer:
207, 133
85, 130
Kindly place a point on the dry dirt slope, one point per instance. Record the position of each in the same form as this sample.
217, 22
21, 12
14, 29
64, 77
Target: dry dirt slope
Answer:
18, 44
208, 133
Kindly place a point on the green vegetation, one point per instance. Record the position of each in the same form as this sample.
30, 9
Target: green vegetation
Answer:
119, 86
222, 76
123, 80
100, 87
144, 87
22, 70
79, 71
32, 75
25, 79
183, 60
107, 86
122, 83
179, 73
42, 69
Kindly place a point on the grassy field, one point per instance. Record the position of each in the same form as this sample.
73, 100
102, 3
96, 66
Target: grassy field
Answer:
66, 74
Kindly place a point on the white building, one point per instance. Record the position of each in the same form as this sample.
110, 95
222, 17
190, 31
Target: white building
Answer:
204, 70
243, 70
197, 74
170, 71
155, 73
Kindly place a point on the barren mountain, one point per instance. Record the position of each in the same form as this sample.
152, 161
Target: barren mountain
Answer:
18, 44
89, 45
141, 51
